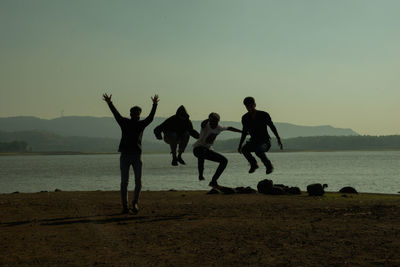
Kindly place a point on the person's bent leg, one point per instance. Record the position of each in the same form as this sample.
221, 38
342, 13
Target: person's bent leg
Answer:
124, 165
171, 138
246, 150
223, 162
198, 152
183, 141
137, 168
260, 152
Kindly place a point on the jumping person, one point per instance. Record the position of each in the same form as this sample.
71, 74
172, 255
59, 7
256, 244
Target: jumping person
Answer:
203, 147
255, 123
177, 130
131, 148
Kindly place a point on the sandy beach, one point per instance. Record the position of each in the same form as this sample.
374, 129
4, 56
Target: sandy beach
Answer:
180, 228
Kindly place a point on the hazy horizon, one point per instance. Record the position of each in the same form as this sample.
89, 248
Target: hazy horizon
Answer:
160, 117
306, 62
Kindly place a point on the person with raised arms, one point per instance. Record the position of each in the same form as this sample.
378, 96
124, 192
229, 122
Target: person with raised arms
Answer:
130, 147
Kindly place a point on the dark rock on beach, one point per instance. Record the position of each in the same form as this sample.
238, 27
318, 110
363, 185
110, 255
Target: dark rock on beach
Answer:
348, 190
245, 190
277, 190
294, 190
316, 189
228, 190
264, 186
267, 187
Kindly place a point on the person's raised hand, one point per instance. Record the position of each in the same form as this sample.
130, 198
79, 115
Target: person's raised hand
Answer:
107, 98
155, 99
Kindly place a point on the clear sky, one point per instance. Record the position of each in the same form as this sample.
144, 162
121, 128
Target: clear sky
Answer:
307, 62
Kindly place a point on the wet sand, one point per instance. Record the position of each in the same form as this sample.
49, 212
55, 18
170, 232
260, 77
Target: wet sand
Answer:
180, 228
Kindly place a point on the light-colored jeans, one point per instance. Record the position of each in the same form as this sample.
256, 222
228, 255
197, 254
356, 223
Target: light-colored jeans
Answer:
125, 161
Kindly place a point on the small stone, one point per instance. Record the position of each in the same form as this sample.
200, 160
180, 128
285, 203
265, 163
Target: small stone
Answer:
348, 190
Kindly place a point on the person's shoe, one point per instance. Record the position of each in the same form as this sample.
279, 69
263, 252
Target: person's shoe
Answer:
213, 184
174, 162
270, 169
201, 178
125, 211
253, 168
181, 161
135, 208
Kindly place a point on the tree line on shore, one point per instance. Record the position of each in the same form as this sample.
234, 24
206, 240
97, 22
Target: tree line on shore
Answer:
39, 141
14, 146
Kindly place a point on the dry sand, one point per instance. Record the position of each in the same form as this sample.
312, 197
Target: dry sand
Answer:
192, 228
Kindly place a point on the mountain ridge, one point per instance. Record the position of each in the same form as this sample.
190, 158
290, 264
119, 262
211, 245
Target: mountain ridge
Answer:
106, 127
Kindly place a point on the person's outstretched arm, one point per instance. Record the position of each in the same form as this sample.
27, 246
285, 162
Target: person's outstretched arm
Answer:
150, 118
275, 131
117, 116
233, 129
192, 132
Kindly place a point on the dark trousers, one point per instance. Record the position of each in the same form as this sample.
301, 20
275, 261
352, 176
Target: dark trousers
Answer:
125, 161
259, 149
203, 153
174, 140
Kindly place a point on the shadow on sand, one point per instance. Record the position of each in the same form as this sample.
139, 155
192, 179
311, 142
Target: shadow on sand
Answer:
97, 219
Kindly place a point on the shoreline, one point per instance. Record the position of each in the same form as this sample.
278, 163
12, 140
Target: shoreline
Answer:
56, 153
303, 193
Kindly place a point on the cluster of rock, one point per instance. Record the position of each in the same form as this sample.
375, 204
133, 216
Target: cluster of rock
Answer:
267, 187
229, 190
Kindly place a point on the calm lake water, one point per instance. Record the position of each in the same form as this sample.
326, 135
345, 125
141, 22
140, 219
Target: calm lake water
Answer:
376, 172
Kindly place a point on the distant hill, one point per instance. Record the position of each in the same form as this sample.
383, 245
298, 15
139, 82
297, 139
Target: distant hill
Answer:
106, 127
40, 141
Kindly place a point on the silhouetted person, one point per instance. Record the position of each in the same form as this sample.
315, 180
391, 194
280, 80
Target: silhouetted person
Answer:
203, 147
130, 147
177, 130
255, 123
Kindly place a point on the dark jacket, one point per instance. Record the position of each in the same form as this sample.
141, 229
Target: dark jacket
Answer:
178, 123
132, 131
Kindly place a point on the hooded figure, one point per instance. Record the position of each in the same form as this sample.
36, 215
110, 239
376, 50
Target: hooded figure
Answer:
177, 130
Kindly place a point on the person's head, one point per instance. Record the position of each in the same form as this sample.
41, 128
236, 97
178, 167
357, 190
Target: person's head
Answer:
250, 103
135, 113
213, 118
181, 113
